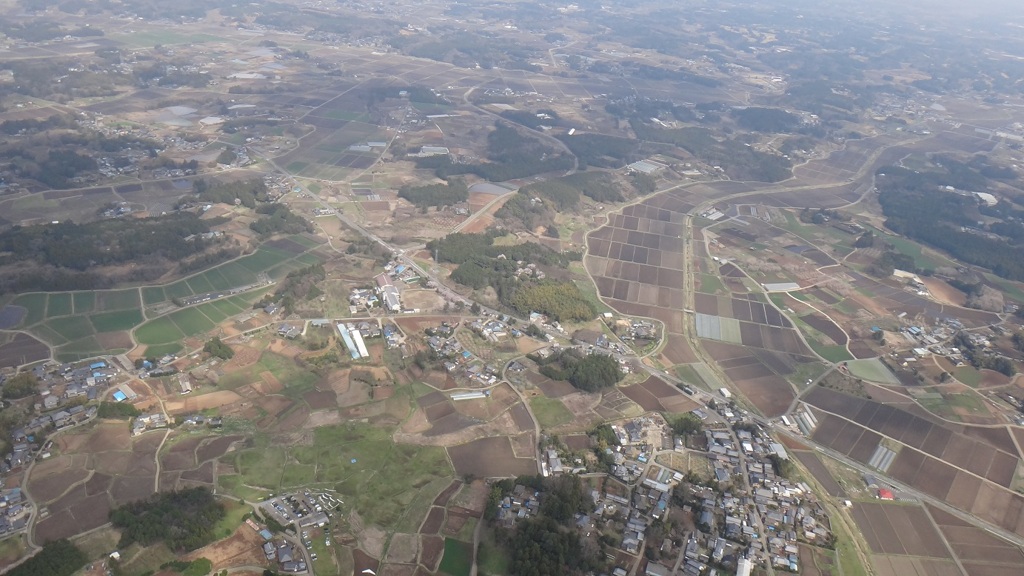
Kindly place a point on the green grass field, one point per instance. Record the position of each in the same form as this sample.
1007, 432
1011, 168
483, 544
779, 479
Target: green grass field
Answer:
873, 370
84, 301
178, 289
712, 284
83, 348
550, 412
191, 321
107, 300
159, 331
968, 375
163, 349
830, 353
457, 559
114, 321
71, 327
153, 295
200, 284
58, 304
382, 483
36, 306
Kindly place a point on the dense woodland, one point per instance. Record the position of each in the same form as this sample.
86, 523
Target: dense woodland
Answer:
217, 348
548, 544
482, 264
103, 242
299, 285
590, 373
20, 385
739, 160
117, 410
183, 520
278, 219
917, 205
57, 558
511, 156
452, 192
602, 150
247, 192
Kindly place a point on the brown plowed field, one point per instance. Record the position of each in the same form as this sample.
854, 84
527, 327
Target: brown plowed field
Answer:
215, 448
521, 417
446, 494
817, 469
431, 550
899, 530
771, 394
489, 457
434, 521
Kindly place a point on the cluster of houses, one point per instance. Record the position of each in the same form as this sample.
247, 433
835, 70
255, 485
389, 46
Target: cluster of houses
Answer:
145, 422
14, 511
774, 515
286, 555
63, 389
522, 503
458, 361
493, 330
385, 293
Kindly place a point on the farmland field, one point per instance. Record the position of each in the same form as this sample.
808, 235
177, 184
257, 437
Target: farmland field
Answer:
550, 412
115, 321
71, 327
159, 331
153, 295
83, 301
872, 369
457, 559
107, 300
58, 304
36, 306
379, 478
191, 321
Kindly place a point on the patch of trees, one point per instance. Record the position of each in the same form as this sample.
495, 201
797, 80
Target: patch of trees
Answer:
209, 260
21, 385
511, 156
56, 169
279, 219
770, 120
300, 285
916, 207
43, 30
549, 543
565, 192
183, 520
519, 212
247, 192
889, 262
452, 192
687, 425
865, 240
31, 125
738, 160
57, 558
482, 264
217, 348
560, 301
117, 410
590, 372
104, 242
982, 358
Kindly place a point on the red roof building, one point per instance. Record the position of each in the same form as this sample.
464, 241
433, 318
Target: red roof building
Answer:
885, 494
